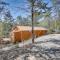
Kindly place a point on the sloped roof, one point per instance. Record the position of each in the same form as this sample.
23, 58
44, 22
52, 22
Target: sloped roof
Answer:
27, 28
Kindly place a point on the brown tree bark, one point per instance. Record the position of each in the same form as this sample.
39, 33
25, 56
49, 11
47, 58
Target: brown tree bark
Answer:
32, 12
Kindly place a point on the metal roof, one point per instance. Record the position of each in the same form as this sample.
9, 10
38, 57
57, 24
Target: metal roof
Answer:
27, 28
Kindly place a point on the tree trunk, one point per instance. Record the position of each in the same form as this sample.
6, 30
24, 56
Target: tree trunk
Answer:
32, 12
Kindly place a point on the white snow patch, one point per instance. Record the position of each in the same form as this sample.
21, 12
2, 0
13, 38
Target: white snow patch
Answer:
31, 58
48, 37
50, 45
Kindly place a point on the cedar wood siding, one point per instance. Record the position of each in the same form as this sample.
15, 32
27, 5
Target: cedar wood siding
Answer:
18, 36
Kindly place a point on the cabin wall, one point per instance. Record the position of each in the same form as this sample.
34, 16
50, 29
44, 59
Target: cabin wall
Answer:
17, 36
40, 32
25, 35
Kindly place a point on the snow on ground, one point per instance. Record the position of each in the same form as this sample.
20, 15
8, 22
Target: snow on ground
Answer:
49, 45
48, 37
45, 48
6, 39
49, 41
43, 41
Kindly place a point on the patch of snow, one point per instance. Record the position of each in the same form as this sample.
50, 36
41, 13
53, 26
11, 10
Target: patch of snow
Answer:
6, 39
31, 57
50, 45
7, 48
25, 43
43, 38
48, 37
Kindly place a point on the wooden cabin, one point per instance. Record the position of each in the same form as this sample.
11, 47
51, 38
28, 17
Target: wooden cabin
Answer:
21, 33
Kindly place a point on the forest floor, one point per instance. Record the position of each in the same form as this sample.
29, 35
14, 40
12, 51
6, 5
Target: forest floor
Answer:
45, 48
